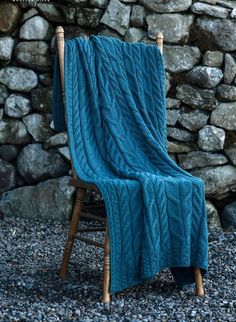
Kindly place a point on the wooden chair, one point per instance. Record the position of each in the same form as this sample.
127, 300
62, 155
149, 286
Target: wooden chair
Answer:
74, 231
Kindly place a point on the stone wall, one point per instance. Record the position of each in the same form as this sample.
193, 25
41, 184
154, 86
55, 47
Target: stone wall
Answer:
200, 59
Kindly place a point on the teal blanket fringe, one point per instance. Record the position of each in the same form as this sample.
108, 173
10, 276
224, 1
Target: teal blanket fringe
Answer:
116, 121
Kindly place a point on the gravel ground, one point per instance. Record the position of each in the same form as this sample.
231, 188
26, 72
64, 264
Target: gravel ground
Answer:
30, 289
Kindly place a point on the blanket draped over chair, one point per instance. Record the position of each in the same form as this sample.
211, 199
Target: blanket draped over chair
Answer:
115, 116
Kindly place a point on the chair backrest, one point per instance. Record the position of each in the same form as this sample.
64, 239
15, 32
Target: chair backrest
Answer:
60, 40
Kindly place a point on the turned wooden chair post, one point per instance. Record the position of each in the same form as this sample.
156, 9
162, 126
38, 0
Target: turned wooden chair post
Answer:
80, 194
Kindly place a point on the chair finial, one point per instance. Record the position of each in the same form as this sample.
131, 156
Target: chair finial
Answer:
159, 41
59, 30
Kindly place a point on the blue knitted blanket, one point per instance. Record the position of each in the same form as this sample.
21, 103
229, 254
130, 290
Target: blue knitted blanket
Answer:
115, 112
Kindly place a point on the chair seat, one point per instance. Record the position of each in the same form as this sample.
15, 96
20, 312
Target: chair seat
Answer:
81, 184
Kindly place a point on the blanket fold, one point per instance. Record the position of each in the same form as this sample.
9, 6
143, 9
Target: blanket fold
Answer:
115, 115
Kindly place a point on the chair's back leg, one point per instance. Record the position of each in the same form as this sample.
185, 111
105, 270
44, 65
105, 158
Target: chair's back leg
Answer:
60, 40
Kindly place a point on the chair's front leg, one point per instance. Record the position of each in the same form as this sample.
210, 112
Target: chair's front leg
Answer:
106, 277
198, 281
72, 231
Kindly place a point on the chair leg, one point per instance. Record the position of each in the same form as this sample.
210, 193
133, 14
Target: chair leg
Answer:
106, 277
72, 231
198, 280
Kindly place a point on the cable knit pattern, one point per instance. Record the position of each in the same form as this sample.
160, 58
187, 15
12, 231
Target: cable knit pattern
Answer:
115, 112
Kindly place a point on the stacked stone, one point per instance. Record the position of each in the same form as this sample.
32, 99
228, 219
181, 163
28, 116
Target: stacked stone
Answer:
200, 61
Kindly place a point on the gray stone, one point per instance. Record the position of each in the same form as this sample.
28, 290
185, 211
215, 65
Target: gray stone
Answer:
213, 58
194, 120
80, 3
213, 219
230, 69
117, 16
168, 82
231, 153
175, 27
233, 13
13, 132
69, 14
149, 41
88, 17
99, 3
7, 175
17, 105
167, 5
28, 4
128, 1
38, 126
226, 93
36, 28
10, 15
35, 164
179, 134
51, 12
225, 116
110, 33
197, 98
206, 9
181, 58
137, 16
134, 34
228, 217
211, 138
45, 79
172, 116
8, 152
179, 147
56, 140
6, 47
52, 125
34, 54
206, 77
42, 99
65, 152
1, 113
218, 180
29, 14
200, 159
225, 3
172, 103
18, 79
217, 33
3, 94
53, 192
